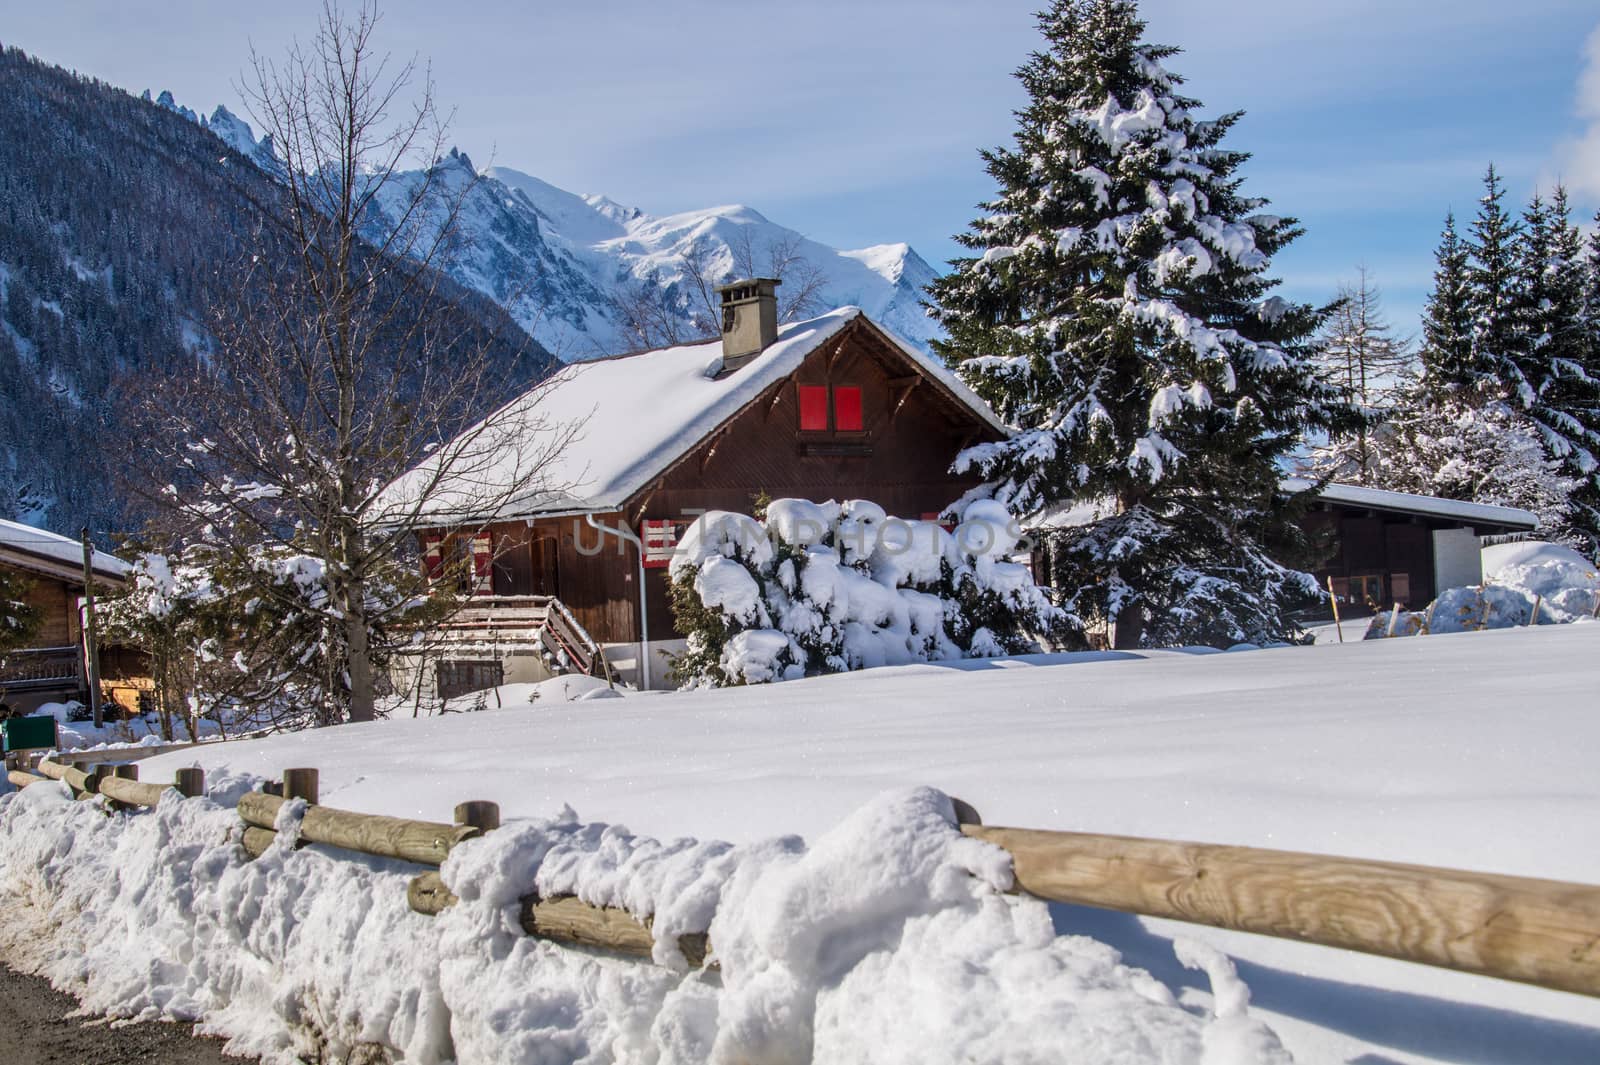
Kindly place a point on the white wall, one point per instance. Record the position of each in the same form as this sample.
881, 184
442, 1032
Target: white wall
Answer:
624, 659
1457, 559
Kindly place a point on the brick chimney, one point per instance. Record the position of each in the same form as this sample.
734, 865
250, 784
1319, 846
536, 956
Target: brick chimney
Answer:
749, 319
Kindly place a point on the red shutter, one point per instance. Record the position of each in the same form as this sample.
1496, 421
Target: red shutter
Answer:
814, 408
659, 539
847, 409
482, 565
433, 557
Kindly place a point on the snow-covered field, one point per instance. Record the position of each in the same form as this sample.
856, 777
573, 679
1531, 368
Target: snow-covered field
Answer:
1473, 750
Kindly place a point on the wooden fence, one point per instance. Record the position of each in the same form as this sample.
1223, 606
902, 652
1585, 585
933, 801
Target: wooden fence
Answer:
1540, 932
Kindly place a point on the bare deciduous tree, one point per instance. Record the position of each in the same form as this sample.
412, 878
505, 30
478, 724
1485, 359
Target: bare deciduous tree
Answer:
344, 359
1361, 356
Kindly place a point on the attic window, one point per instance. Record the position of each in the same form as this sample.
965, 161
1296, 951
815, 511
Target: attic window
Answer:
814, 408
847, 409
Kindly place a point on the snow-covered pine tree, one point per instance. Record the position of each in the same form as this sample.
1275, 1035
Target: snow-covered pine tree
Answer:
1591, 290
1494, 280
1446, 355
1586, 498
1117, 314
1552, 379
1474, 424
1362, 357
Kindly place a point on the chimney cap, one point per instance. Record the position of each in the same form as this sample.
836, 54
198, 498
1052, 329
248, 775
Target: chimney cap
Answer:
747, 288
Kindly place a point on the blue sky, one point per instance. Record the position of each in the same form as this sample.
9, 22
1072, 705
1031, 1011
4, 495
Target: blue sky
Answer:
858, 122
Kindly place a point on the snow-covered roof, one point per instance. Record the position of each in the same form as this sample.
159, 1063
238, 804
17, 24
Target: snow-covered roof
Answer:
61, 550
1354, 495
636, 415
1083, 512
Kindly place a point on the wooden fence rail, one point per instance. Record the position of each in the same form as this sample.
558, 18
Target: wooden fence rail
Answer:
1540, 932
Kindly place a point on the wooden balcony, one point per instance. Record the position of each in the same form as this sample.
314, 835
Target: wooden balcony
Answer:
41, 667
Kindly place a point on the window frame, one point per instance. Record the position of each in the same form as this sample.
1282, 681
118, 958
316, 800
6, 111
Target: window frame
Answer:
860, 412
827, 407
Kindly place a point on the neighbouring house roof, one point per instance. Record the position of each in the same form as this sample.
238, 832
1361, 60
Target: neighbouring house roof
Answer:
633, 417
41, 549
1478, 515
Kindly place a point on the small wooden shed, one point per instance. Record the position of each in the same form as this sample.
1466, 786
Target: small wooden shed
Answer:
1395, 547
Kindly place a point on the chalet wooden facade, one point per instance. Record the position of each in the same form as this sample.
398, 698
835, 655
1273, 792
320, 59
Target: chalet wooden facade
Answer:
833, 408
50, 668
1394, 547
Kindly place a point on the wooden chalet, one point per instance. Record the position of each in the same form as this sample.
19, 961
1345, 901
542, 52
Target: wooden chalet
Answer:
831, 408
51, 668
1394, 547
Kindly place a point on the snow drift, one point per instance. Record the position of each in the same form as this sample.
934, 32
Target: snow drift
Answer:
825, 951
1519, 579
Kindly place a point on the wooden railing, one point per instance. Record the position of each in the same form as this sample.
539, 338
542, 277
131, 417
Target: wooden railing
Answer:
562, 632
543, 619
501, 611
40, 667
1540, 932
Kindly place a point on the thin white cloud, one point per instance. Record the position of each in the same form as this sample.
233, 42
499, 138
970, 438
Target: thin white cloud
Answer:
1580, 156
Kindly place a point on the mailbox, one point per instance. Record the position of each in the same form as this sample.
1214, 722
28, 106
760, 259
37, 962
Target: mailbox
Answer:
28, 733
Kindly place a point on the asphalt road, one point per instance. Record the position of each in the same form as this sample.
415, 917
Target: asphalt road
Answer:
35, 1030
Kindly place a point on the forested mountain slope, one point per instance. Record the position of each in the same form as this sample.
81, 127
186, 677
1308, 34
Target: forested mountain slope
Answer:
118, 217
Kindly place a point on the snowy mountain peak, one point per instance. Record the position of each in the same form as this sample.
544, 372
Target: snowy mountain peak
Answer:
236, 132
895, 263
589, 276
166, 100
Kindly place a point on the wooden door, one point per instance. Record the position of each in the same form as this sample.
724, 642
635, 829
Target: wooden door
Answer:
513, 565
543, 575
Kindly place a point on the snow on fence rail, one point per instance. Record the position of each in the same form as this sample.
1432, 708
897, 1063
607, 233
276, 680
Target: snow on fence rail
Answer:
1532, 931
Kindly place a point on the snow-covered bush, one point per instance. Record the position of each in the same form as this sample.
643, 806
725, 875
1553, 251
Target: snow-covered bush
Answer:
830, 587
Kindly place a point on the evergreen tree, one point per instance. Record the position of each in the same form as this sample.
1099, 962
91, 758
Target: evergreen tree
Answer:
19, 617
1493, 277
1517, 421
1117, 314
1591, 299
1557, 380
1447, 322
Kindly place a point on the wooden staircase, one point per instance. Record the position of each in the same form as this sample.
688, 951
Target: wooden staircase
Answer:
520, 621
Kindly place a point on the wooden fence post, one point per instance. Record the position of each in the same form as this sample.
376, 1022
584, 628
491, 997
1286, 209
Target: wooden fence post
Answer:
1533, 619
191, 782
1334, 600
129, 771
300, 784
965, 814
478, 814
